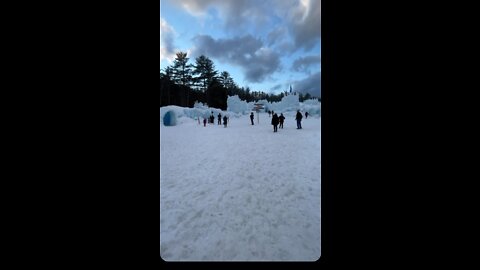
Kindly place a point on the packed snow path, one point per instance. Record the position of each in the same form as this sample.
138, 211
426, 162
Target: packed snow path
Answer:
241, 193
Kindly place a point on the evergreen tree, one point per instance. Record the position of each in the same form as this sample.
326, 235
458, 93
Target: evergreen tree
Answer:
248, 96
216, 95
181, 70
183, 74
205, 69
227, 82
166, 86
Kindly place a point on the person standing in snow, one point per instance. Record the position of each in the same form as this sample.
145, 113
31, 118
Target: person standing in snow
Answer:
306, 115
299, 119
280, 120
225, 121
251, 117
275, 122
219, 119
204, 121
269, 113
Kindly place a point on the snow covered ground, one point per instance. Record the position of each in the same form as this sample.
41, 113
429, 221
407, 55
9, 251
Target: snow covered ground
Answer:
241, 193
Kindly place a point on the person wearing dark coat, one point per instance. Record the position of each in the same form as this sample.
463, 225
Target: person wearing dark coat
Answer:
251, 117
306, 115
204, 121
225, 121
299, 119
275, 122
280, 120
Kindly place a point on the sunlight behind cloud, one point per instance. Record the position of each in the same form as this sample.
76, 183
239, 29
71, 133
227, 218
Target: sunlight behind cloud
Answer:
305, 5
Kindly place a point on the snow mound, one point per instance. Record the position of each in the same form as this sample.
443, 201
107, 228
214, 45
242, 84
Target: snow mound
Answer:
289, 103
236, 105
312, 106
173, 115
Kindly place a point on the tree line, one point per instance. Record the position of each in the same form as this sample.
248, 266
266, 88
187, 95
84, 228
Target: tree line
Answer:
182, 84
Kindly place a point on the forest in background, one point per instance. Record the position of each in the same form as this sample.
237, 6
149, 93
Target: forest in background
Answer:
183, 83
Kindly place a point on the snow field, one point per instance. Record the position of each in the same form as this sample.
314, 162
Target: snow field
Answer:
241, 193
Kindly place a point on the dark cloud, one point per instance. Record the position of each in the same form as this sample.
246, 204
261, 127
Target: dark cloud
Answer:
235, 13
286, 48
276, 87
311, 84
247, 52
301, 18
303, 64
238, 13
276, 35
305, 24
167, 38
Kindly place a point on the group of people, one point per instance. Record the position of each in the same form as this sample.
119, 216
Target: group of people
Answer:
212, 118
272, 112
276, 120
280, 119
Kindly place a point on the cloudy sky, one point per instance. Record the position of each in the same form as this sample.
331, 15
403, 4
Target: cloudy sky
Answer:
266, 45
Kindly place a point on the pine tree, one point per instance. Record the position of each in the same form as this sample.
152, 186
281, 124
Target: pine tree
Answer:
166, 86
183, 73
181, 70
205, 69
226, 80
